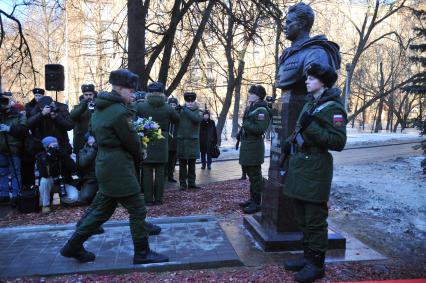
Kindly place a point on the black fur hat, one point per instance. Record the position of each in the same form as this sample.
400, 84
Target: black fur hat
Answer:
156, 87
190, 96
38, 91
124, 78
261, 91
88, 88
324, 73
252, 89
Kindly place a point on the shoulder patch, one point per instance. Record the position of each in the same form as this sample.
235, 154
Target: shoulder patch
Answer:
338, 120
260, 117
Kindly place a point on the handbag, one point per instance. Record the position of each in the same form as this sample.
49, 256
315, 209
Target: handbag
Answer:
215, 151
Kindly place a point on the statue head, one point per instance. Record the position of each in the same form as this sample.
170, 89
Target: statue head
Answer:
300, 19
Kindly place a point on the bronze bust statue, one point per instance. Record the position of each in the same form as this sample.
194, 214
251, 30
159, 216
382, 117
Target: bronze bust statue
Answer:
304, 50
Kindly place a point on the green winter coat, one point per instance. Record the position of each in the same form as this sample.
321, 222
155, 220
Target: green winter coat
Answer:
155, 106
18, 131
310, 169
255, 123
119, 146
188, 136
81, 116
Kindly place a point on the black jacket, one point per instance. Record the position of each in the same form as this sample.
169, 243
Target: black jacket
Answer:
53, 167
43, 126
86, 160
208, 136
30, 106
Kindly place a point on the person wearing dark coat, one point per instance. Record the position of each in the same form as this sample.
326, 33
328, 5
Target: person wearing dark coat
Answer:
173, 130
208, 140
86, 167
28, 155
81, 116
51, 118
13, 130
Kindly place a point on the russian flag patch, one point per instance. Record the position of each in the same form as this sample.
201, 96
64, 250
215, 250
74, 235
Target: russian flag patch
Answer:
338, 120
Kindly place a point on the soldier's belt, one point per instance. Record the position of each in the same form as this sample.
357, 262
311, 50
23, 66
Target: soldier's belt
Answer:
311, 150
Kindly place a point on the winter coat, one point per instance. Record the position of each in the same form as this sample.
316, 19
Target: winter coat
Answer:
86, 160
53, 167
255, 123
43, 126
188, 137
208, 136
155, 106
310, 169
17, 134
81, 116
173, 130
119, 146
30, 106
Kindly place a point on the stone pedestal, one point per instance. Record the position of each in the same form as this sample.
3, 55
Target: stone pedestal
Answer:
275, 227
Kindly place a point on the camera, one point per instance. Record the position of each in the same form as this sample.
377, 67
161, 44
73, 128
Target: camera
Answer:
91, 105
54, 109
52, 152
59, 181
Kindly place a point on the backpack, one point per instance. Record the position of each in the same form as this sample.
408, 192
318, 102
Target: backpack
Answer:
28, 200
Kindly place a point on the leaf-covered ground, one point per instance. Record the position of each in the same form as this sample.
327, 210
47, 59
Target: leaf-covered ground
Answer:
219, 199
262, 274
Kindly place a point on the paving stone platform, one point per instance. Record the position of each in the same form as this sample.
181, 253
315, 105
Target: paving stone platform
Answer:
190, 242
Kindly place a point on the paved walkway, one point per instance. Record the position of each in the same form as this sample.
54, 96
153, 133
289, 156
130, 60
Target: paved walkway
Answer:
190, 242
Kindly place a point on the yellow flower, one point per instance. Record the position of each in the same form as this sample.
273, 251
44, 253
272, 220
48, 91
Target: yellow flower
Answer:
145, 140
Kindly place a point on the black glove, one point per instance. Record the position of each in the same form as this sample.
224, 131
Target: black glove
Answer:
178, 107
306, 120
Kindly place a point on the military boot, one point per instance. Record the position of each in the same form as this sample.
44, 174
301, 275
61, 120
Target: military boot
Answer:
254, 205
144, 255
247, 202
296, 264
152, 229
74, 248
314, 268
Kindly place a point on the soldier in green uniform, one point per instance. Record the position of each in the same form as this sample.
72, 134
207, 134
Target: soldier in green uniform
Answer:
173, 128
118, 144
188, 140
320, 127
252, 153
155, 106
81, 116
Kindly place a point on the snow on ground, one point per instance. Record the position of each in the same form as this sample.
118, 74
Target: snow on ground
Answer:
383, 204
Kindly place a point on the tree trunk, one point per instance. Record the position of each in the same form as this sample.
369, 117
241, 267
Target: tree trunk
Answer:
237, 98
137, 12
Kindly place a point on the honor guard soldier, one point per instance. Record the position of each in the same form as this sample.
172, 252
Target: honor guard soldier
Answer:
153, 165
251, 136
118, 143
188, 140
81, 116
320, 127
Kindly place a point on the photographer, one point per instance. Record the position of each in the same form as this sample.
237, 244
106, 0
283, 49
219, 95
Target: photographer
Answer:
81, 115
55, 170
86, 166
51, 118
13, 130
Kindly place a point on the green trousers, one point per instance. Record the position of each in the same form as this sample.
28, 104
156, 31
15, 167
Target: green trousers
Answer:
187, 172
103, 208
312, 220
255, 177
153, 181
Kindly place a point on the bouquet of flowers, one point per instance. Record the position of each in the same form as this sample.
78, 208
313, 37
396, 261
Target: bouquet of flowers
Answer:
148, 130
